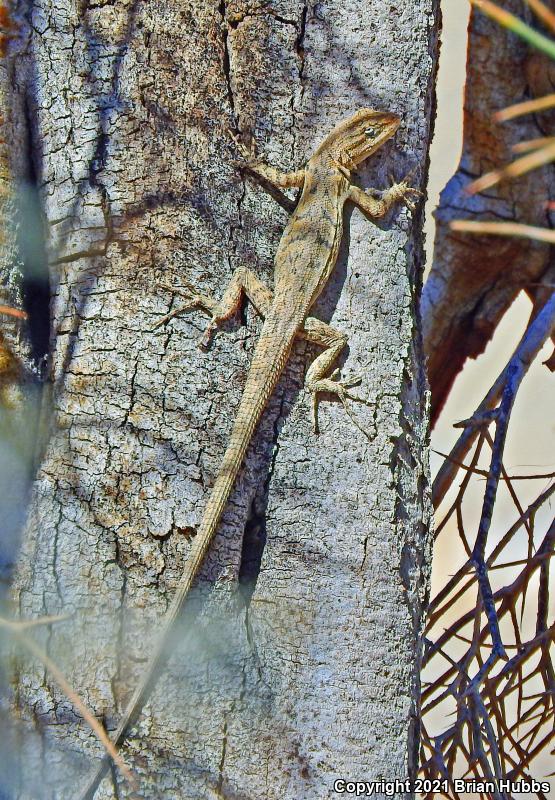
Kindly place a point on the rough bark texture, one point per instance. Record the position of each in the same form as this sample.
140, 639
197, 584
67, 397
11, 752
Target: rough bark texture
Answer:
299, 663
475, 279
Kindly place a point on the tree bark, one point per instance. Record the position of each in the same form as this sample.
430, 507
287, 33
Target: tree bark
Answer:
297, 662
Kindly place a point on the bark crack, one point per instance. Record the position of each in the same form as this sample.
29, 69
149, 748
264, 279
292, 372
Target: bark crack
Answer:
131, 394
120, 649
255, 534
55, 572
300, 53
219, 786
226, 56
299, 47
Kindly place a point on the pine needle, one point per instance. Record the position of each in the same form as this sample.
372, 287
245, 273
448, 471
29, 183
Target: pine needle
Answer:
13, 312
17, 629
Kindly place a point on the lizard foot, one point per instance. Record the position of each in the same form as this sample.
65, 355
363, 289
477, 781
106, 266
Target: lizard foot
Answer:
248, 155
193, 299
403, 190
332, 385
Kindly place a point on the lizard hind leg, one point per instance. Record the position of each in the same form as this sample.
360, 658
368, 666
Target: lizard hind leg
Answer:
242, 281
318, 378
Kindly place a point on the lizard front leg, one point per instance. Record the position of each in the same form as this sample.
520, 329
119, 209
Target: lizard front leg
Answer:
279, 179
282, 180
318, 332
379, 206
242, 281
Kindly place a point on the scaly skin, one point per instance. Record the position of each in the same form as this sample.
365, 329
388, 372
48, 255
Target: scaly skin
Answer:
304, 262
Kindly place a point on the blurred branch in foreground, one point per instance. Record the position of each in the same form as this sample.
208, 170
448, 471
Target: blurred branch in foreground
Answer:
18, 629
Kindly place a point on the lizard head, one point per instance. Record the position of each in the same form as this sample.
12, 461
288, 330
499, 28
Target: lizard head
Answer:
356, 138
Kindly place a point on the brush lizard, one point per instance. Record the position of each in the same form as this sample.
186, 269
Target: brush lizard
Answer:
304, 261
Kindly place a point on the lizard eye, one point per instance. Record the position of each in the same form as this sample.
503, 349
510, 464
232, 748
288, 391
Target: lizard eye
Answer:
370, 132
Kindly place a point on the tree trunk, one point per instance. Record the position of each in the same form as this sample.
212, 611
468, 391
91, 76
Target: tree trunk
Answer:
297, 662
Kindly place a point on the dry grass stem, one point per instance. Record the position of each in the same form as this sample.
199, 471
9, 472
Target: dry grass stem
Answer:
528, 107
528, 145
534, 160
18, 629
543, 13
20, 625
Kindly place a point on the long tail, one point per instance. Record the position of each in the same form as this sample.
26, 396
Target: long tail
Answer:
267, 365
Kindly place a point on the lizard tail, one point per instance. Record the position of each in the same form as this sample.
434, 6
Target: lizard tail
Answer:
267, 365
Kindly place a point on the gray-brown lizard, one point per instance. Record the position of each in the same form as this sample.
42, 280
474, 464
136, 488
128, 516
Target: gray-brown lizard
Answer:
304, 262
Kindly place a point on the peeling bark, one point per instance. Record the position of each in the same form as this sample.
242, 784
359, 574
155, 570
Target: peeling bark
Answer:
297, 662
474, 279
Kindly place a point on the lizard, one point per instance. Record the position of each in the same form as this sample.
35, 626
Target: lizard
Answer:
304, 261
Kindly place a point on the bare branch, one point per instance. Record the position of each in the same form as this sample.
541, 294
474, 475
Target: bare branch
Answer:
537, 333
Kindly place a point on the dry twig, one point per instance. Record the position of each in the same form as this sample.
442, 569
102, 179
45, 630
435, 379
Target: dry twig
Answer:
18, 629
504, 706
